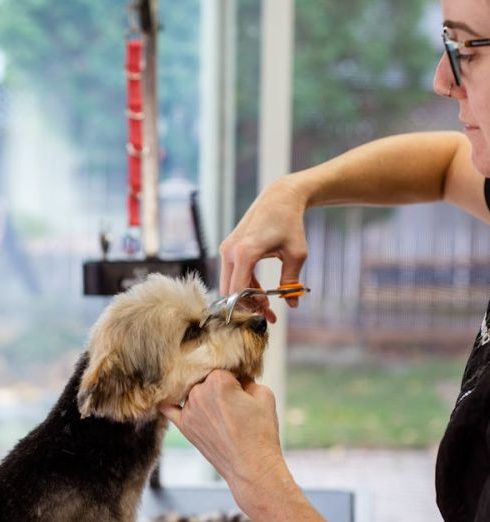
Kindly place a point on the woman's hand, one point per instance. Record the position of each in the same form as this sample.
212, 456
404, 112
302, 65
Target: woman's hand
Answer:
235, 428
272, 227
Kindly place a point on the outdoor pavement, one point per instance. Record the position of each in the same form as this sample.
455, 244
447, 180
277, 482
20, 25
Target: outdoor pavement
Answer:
400, 484
395, 486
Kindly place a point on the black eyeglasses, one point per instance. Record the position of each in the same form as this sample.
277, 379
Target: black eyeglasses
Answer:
452, 50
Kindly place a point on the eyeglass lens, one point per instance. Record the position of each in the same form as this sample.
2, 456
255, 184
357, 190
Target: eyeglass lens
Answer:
453, 55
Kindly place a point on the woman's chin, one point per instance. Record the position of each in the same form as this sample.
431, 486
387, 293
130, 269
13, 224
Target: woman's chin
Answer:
482, 165
480, 156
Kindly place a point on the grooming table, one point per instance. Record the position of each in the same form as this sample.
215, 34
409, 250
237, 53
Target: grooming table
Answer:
336, 506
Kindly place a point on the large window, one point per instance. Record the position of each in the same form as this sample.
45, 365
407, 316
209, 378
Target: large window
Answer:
376, 350
388, 285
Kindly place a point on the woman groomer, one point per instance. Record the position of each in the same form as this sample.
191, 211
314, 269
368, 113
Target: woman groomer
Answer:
235, 428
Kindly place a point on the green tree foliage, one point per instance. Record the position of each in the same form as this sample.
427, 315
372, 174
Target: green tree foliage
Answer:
71, 53
360, 65
179, 84
247, 102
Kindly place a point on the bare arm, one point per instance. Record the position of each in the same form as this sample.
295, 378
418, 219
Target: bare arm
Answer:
409, 168
277, 498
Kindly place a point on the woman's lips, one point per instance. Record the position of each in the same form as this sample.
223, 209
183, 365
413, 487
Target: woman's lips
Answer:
467, 125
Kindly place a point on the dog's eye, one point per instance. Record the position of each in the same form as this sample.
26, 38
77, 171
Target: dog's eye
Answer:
193, 332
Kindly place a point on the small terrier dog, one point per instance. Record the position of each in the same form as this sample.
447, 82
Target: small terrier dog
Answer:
89, 460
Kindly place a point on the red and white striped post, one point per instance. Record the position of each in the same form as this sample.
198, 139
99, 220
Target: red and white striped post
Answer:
134, 111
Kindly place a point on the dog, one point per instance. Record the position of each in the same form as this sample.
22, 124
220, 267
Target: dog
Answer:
90, 458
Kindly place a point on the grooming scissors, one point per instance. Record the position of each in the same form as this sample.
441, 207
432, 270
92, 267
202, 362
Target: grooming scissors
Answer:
228, 303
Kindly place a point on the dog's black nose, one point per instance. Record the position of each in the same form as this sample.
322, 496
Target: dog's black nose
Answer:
258, 324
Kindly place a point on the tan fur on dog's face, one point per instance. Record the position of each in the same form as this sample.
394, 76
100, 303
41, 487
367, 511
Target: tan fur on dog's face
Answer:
147, 348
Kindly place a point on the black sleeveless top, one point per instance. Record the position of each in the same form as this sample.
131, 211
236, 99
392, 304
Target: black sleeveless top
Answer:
463, 461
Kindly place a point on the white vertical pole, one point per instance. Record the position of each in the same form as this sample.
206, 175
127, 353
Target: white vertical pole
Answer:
217, 152
274, 159
149, 207
217, 136
217, 117
228, 115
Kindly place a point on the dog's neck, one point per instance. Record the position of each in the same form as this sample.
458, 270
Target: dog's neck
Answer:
114, 440
100, 460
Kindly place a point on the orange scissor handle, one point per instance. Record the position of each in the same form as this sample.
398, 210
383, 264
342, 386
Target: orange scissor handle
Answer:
292, 290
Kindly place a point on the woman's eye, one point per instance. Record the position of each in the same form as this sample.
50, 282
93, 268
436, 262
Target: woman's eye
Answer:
193, 332
466, 57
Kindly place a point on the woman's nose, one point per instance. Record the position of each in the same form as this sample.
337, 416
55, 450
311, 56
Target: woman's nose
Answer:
443, 77
444, 83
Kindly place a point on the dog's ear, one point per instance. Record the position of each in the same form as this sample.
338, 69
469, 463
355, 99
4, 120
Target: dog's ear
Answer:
108, 391
123, 373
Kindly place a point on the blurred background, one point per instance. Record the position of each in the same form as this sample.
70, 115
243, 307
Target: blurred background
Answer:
375, 353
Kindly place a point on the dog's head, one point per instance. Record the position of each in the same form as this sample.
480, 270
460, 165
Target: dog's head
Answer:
148, 348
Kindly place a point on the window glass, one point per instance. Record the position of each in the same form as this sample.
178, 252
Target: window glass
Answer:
248, 19
395, 291
63, 175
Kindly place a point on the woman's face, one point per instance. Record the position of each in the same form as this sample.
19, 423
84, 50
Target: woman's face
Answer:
467, 20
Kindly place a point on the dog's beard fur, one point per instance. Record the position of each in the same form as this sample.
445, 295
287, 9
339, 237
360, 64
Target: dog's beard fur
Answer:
147, 348
89, 459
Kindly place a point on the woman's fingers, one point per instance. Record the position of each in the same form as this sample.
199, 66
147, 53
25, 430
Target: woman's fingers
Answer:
173, 413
